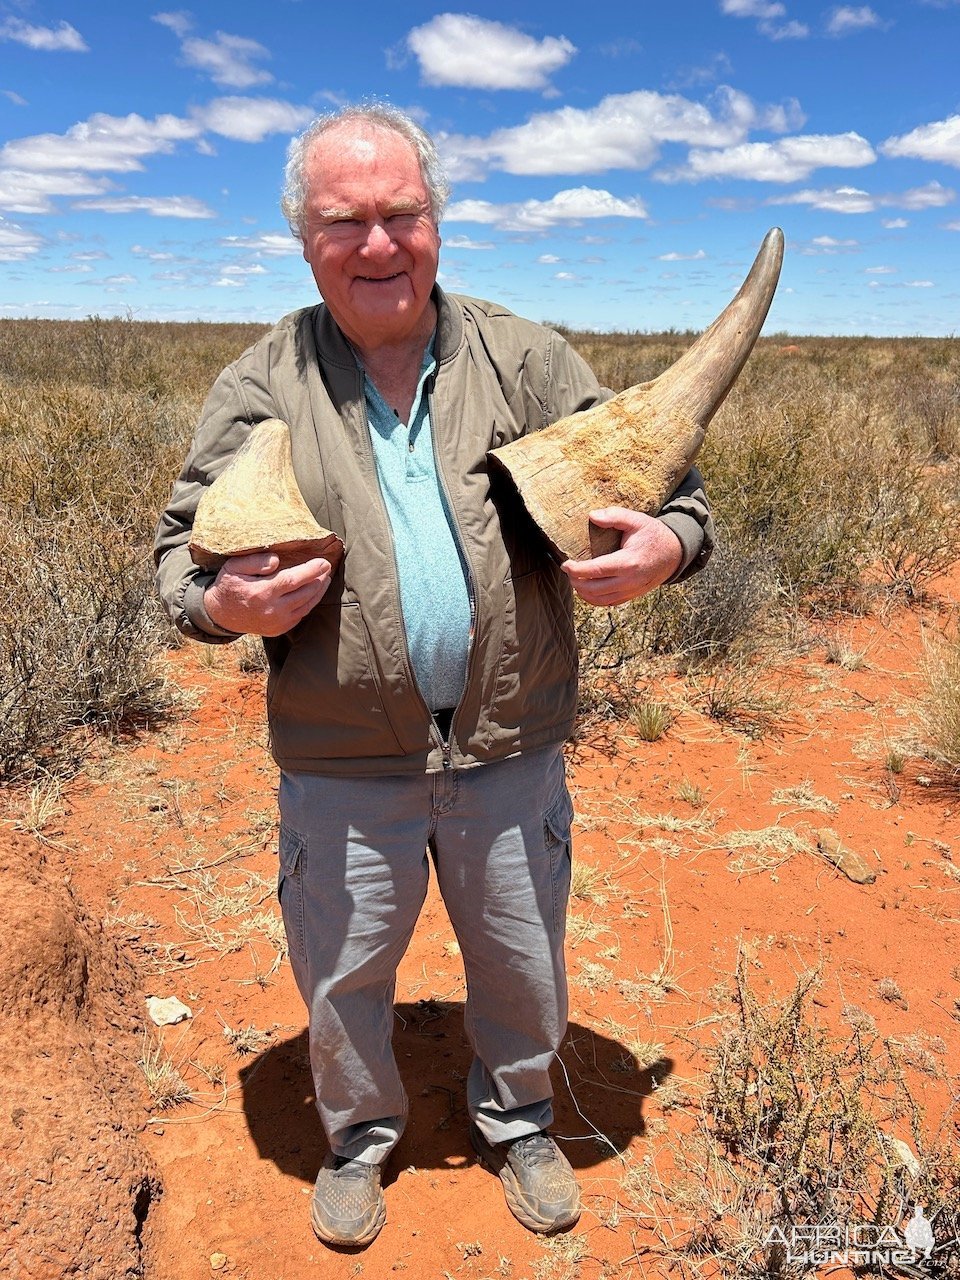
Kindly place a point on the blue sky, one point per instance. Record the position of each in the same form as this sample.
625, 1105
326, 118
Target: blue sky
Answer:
615, 165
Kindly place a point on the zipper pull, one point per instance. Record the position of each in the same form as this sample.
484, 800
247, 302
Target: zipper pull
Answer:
447, 762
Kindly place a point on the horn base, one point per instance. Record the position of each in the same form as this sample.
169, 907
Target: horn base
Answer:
255, 505
618, 454
294, 552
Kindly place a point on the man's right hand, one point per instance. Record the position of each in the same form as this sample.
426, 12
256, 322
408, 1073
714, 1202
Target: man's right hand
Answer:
254, 596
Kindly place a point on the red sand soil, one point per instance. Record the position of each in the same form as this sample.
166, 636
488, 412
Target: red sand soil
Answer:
171, 839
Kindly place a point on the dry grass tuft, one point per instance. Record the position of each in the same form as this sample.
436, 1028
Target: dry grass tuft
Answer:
650, 720
165, 1084
246, 1040
798, 1131
763, 850
939, 710
803, 796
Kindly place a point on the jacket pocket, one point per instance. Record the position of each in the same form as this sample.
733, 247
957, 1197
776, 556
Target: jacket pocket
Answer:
326, 700
536, 678
557, 821
293, 856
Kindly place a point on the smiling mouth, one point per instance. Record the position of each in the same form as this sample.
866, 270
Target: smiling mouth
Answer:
380, 279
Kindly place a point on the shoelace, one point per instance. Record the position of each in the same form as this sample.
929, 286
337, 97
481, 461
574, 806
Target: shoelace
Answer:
537, 1149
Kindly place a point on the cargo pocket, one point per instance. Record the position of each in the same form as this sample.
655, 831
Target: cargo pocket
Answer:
293, 855
556, 835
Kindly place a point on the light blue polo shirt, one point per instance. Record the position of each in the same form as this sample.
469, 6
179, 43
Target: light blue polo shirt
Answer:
433, 582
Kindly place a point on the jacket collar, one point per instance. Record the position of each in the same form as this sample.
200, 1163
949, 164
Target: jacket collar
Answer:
333, 348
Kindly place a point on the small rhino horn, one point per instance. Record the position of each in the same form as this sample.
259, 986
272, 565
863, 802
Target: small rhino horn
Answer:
635, 449
255, 505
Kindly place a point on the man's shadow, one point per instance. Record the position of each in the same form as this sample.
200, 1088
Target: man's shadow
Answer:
597, 1085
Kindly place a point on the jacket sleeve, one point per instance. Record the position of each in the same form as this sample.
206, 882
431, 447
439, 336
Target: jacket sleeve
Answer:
572, 387
228, 416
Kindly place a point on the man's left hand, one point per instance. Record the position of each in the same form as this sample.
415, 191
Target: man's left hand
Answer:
649, 554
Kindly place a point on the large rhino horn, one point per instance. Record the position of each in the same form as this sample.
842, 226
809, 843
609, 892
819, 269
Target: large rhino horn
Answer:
635, 449
256, 505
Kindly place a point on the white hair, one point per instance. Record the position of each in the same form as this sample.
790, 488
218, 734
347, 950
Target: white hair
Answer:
379, 115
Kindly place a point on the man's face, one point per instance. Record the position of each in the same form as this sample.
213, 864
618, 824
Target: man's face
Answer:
369, 237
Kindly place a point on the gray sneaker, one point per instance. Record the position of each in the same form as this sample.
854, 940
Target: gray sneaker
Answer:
347, 1207
538, 1182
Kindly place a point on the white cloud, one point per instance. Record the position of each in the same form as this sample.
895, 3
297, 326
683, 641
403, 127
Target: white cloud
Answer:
853, 200
35, 169
251, 119
16, 243
894, 224
930, 196
682, 257
62, 39
788, 31
938, 141
548, 259
717, 67
227, 59
14, 97
880, 271
846, 19
155, 206
828, 246
152, 255
762, 9
624, 131
178, 22
252, 269
565, 275
918, 284
460, 49
565, 208
24, 192
270, 243
832, 200
952, 226
620, 47
769, 15
224, 283
111, 143
787, 160
464, 242
117, 280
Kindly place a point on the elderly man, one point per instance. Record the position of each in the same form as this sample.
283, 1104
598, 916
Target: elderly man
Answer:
418, 695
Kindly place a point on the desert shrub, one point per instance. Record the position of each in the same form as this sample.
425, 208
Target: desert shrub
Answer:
939, 705
926, 405
79, 638
800, 1130
714, 623
94, 421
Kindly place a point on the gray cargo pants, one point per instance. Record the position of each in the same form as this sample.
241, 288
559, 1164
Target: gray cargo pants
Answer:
353, 878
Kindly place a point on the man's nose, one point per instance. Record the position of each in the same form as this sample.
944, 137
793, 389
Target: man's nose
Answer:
378, 239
